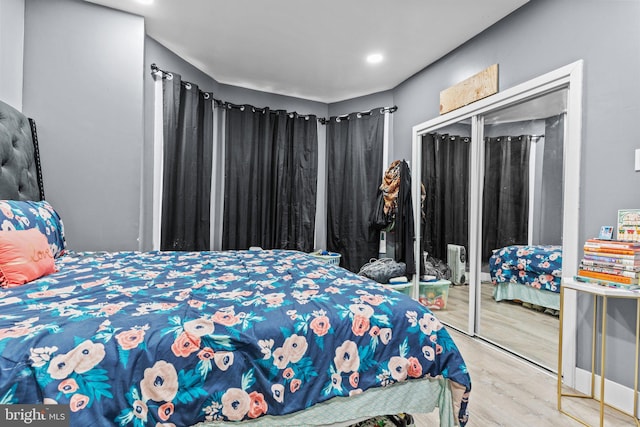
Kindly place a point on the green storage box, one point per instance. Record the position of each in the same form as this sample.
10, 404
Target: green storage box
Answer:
434, 294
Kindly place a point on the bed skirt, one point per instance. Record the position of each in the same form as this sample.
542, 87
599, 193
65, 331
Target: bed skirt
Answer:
413, 397
517, 291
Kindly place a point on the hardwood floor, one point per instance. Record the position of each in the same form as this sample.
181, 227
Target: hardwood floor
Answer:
508, 391
530, 333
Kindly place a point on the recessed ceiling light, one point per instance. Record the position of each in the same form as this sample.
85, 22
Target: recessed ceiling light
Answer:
374, 58
145, 1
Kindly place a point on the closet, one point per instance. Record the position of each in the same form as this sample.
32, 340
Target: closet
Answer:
504, 172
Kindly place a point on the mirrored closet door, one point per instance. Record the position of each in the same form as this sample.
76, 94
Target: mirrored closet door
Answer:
501, 184
521, 227
446, 161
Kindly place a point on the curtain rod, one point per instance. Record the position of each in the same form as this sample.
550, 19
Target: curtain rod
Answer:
534, 138
383, 110
223, 104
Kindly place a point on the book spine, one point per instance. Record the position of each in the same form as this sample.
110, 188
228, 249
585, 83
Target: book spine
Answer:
608, 277
620, 265
610, 251
613, 271
595, 243
606, 283
619, 259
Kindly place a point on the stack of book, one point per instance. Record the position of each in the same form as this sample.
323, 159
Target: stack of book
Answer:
611, 263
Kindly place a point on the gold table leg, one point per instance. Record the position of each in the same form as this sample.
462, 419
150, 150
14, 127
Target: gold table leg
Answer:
603, 358
560, 350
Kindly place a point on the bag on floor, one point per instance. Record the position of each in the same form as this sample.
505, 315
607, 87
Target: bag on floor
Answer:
381, 270
436, 268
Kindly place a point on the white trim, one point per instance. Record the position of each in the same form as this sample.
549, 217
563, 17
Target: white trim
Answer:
158, 166
217, 178
571, 216
382, 246
569, 76
416, 191
214, 180
476, 165
320, 231
385, 142
615, 394
532, 190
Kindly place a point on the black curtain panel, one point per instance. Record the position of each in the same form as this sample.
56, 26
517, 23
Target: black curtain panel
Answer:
296, 181
445, 175
505, 216
270, 179
404, 227
549, 229
354, 171
188, 137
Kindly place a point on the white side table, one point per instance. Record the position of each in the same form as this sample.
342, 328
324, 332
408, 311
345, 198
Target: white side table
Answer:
605, 293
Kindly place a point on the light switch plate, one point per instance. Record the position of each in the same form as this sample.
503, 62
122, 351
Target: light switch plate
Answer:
637, 159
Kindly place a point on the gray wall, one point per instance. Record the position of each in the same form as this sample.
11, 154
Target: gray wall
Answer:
363, 103
83, 68
11, 51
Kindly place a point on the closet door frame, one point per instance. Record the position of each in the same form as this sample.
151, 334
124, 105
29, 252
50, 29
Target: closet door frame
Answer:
569, 77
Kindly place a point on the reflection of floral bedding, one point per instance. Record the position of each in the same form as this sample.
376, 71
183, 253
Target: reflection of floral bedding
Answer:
177, 338
537, 266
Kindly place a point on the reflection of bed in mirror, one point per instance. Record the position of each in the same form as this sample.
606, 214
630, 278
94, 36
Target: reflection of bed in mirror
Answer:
529, 274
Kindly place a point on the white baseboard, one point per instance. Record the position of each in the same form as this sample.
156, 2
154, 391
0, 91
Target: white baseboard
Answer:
616, 395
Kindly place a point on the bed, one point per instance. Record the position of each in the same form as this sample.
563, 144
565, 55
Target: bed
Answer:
268, 337
530, 274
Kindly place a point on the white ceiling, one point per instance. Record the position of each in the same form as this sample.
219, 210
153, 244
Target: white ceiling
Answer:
311, 49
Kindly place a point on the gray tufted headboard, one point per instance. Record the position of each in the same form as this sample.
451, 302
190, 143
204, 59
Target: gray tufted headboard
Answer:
20, 173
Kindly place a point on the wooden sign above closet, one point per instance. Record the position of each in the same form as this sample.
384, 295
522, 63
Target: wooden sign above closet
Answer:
476, 87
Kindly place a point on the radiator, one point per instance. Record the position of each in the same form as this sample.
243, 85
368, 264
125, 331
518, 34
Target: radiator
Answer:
457, 261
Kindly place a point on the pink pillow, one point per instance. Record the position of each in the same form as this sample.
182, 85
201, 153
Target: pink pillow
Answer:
24, 256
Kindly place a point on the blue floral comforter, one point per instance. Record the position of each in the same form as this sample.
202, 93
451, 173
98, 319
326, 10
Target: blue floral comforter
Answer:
536, 266
175, 338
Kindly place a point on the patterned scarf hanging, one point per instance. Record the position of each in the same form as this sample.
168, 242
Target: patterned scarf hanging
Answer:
390, 186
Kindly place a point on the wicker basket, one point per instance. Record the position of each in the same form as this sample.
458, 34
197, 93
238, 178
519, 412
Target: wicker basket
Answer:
332, 258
